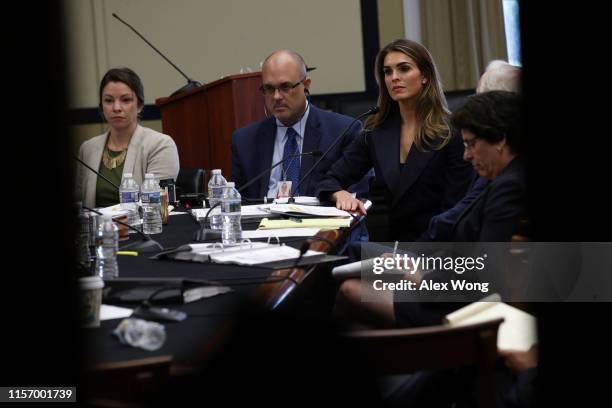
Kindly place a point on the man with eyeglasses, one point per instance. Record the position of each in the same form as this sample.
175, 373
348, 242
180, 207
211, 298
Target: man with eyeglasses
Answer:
293, 126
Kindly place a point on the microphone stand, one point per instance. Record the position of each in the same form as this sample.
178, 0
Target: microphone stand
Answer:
207, 234
191, 84
370, 111
102, 176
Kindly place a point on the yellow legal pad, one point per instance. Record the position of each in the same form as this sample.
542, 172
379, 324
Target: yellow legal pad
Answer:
323, 223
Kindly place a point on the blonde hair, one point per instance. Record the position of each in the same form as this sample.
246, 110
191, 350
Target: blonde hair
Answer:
432, 114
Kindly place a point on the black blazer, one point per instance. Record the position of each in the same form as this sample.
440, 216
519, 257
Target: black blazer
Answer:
495, 214
429, 183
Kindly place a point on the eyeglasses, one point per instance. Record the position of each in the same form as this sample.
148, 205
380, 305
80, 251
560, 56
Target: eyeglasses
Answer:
469, 144
283, 88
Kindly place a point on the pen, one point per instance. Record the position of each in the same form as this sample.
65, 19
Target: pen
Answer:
395, 248
128, 253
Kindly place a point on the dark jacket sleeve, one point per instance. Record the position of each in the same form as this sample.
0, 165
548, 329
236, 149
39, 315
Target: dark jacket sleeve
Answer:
349, 169
459, 173
441, 226
505, 206
237, 171
361, 187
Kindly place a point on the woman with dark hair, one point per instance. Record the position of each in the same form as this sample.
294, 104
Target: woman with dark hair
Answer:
416, 158
490, 128
127, 147
490, 125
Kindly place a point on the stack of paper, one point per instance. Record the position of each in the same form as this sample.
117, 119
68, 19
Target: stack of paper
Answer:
307, 210
246, 212
304, 200
518, 331
113, 211
202, 252
263, 255
321, 223
280, 233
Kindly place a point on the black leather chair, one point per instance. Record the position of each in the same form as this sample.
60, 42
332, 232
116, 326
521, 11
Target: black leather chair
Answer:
190, 181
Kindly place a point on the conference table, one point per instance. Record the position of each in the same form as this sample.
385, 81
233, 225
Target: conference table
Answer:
112, 365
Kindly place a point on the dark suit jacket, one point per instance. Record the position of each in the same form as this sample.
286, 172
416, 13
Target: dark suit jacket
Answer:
253, 147
493, 217
429, 183
441, 225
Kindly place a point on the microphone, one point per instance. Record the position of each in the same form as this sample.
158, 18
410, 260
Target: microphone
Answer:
95, 171
291, 156
147, 244
206, 234
369, 112
191, 84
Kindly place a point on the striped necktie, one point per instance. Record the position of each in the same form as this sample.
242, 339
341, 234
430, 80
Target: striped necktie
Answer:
291, 167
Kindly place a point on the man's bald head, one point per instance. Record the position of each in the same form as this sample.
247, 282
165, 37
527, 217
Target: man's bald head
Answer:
500, 76
283, 57
285, 85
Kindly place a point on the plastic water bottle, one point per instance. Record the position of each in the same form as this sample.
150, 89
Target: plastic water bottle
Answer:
128, 197
149, 194
216, 185
141, 333
230, 213
107, 241
83, 236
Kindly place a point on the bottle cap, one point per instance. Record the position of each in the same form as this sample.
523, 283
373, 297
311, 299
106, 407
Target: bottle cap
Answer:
216, 171
230, 184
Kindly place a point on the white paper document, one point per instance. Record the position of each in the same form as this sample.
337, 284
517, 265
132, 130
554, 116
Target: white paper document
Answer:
247, 211
295, 209
280, 233
202, 252
113, 211
518, 331
305, 200
109, 312
263, 255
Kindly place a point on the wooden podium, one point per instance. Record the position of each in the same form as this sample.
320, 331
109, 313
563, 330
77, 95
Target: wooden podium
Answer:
202, 120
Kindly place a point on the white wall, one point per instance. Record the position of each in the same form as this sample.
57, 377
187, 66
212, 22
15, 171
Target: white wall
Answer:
210, 39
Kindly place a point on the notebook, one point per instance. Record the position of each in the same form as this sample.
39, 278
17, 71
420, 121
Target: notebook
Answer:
518, 331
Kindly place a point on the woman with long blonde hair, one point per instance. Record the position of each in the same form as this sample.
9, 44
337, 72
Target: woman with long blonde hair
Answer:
417, 159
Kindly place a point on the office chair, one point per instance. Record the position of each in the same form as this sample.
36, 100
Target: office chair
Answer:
404, 351
190, 186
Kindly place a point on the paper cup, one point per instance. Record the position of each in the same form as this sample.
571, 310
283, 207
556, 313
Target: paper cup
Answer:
91, 300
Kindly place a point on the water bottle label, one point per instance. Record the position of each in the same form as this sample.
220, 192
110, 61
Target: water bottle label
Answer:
129, 196
150, 198
232, 206
217, 192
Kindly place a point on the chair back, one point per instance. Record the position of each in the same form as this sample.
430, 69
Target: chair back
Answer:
190, 181
131, 383
403, 351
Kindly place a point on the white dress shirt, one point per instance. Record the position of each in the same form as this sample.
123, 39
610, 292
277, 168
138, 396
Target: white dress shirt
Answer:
279, 147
